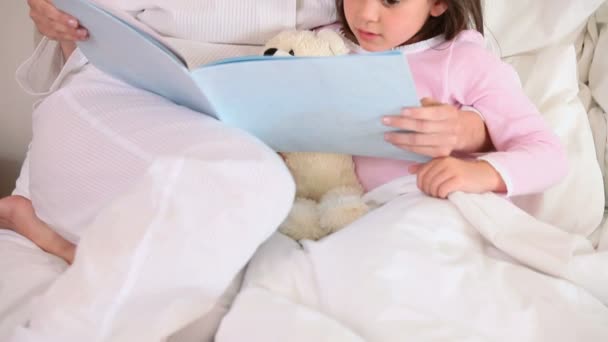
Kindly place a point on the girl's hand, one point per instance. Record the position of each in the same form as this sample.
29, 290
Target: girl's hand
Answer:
55, 24
437, 130
442, 176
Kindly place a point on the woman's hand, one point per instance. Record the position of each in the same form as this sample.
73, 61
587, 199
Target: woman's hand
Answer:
54, 23
437, 130
442, 176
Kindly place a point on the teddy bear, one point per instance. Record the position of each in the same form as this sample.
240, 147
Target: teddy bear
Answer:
328, 193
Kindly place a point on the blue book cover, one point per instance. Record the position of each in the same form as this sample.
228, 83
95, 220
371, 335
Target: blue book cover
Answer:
293, 104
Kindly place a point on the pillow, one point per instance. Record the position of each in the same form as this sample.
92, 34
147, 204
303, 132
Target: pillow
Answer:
549, 78
598, 84
537, 39
592, 54
521, 26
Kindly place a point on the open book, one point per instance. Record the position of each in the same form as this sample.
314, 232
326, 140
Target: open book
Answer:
313, 104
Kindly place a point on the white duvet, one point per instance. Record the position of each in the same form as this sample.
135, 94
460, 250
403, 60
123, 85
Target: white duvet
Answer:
424, 269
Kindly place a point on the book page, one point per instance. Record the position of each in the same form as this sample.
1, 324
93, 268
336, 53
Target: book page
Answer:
130, 19
313, 104
191, 53
197, 54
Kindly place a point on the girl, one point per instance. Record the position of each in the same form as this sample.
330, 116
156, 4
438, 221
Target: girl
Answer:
451, 66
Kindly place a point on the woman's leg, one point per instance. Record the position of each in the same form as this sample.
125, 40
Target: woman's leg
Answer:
169, 205
17, 214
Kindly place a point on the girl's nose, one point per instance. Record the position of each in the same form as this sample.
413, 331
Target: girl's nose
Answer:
369, 10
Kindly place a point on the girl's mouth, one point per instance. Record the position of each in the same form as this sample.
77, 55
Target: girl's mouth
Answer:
365, 35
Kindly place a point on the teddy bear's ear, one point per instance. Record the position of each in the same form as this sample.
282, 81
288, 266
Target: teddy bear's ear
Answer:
280, 41
336, 42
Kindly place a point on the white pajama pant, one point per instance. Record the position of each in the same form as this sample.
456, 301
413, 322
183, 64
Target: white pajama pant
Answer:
167, 204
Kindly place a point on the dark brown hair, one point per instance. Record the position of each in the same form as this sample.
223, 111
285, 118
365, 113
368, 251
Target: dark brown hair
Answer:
460, 15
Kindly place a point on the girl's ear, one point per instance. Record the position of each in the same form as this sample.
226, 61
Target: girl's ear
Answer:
439, 7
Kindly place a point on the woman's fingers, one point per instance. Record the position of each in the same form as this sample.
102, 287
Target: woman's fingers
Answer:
54, 23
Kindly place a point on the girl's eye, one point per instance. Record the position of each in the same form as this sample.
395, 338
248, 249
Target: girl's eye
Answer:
389, 3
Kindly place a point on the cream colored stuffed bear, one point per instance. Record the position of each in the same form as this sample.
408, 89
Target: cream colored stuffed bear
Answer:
329, 195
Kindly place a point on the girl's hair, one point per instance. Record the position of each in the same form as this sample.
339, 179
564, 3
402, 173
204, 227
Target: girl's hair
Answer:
460, 15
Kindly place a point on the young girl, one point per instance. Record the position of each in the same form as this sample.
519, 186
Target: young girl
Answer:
452, 69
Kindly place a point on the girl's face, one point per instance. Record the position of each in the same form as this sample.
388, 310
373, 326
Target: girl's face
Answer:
381, 25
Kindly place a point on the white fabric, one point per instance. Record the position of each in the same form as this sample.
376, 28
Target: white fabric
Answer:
537, 38
424, 269
549, 78
94, 138
174, 249
600, 237
39, 74
26, 272
523, 26
204, 21
602, 234
597, 80
598, 73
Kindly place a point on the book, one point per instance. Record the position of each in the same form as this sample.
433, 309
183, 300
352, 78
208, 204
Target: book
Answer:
293, 104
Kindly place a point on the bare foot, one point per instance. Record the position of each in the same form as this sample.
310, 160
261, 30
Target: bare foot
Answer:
17, 214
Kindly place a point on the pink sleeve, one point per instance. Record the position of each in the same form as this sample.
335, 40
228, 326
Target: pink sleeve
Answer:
530, 156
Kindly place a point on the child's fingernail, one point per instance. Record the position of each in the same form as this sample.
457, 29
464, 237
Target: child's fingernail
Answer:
406, 112
386, 120
73, 23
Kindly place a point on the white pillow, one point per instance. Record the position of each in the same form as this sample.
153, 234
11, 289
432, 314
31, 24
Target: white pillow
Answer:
537, 38
522, 26
549, 78
598, 83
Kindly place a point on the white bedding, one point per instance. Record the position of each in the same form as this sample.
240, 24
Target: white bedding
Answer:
415, 269
425, 269
476, 268
592, 52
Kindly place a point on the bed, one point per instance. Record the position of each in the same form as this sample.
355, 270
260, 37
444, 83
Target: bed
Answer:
541, 263
321, 290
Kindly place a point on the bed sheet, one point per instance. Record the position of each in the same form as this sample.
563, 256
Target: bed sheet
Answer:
474, 268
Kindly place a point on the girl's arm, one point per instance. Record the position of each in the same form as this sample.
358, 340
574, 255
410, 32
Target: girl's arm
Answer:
529, 156
475, 136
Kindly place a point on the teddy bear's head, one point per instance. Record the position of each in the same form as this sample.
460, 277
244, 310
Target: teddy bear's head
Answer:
325, 42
